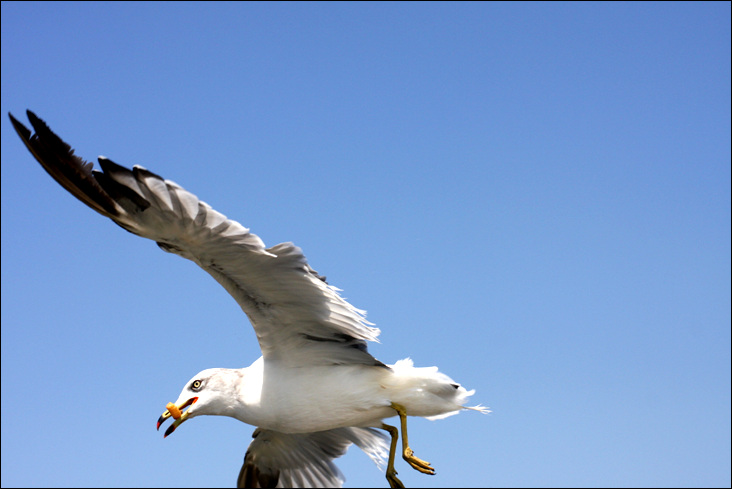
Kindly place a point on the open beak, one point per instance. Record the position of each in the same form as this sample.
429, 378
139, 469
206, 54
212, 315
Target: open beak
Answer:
176, 412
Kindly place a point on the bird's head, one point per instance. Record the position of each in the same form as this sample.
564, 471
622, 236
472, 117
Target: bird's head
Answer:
204, 394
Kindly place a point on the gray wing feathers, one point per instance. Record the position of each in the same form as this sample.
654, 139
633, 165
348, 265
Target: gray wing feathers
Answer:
276, 459
292, 308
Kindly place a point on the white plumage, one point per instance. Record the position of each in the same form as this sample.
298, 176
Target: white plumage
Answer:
316, 389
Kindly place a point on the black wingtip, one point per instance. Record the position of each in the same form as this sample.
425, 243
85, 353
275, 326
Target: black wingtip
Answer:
40, 126
58, 160
22, 131
37, 123
34, 119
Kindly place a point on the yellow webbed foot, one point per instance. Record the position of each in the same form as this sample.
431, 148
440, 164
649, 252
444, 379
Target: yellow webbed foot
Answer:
407, 453
394, 481
417, 463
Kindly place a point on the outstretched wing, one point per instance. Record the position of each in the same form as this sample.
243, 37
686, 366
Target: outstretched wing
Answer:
298, 318
276, 459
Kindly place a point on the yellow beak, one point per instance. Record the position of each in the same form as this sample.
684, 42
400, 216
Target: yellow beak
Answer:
177, 413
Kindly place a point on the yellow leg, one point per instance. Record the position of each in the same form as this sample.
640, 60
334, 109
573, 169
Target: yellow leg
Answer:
408, 454
390, 471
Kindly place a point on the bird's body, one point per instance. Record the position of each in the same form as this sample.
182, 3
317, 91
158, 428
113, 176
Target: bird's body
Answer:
316, 389
327, 397
343, 395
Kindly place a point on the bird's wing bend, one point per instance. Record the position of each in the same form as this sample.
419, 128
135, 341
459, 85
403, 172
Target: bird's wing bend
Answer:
276, 459
298, 318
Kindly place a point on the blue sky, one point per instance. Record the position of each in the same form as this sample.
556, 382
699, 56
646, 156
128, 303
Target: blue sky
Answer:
534, 197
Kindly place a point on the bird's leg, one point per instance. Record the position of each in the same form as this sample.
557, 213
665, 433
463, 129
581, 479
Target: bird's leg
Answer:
390, 471
408, 454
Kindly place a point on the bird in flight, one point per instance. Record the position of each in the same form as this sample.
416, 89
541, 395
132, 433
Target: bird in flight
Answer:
316, 389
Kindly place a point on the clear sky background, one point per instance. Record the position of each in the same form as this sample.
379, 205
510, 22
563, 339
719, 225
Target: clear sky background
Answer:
534, 197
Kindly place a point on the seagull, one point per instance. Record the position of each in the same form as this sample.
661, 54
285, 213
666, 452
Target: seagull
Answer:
316, 389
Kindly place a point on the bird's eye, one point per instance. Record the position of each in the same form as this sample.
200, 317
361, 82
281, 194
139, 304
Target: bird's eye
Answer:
196, 385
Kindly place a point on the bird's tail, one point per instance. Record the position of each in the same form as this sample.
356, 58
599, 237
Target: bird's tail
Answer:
427, 392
